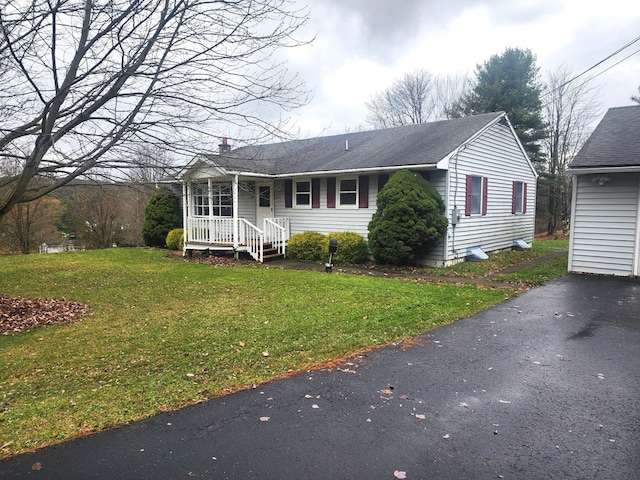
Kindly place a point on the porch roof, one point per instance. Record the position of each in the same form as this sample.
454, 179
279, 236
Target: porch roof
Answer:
406, 146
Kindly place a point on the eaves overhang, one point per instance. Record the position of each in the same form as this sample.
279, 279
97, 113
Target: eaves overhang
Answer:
599, 170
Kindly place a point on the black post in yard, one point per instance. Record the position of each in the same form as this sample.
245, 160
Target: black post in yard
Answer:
333, 247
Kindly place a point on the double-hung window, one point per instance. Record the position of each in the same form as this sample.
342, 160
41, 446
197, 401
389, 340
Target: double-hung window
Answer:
477, 194
348, 192
519, 197
302, 193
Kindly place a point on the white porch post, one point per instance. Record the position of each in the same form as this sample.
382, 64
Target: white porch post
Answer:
185, 210
235, 210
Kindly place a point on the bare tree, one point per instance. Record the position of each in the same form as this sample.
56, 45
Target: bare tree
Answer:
569, 110
405, 102
96, 216
417, 97
636, 98
85, 82
29, 224
448, 92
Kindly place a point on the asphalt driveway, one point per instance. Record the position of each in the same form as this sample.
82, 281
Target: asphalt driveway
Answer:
544, 386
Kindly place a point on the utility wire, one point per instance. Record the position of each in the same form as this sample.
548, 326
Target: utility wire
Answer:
635, 40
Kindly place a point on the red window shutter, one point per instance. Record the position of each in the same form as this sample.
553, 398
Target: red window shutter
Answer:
467, 206
382, 181
363, 191
524, 198
485, 194
513, 197
288, 193
331, 192
315, 193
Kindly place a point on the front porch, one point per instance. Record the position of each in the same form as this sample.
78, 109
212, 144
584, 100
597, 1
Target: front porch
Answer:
228, 234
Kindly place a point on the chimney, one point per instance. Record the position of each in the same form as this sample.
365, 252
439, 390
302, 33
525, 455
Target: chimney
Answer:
224, 147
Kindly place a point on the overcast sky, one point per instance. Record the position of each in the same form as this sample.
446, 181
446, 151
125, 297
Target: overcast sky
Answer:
362, 46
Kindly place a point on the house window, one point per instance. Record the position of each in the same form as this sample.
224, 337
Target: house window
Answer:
302, 193
348, 193
200, 200
477, 195
222, 199
519, 198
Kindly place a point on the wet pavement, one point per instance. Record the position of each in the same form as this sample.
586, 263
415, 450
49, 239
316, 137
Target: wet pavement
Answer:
543, 386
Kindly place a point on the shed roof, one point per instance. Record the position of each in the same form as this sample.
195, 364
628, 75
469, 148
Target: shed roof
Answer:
614, 143
409, 145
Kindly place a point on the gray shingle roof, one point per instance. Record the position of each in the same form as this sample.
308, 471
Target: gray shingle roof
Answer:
614, 143
422, 144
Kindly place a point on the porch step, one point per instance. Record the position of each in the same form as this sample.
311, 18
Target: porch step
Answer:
271, 253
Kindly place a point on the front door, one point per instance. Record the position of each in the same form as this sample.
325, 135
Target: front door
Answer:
264, 203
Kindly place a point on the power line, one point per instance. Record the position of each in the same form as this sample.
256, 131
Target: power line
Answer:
635, 40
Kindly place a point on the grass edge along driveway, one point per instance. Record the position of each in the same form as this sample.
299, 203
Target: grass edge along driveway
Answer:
163, 333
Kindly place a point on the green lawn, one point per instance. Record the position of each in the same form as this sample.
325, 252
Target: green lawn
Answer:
501, 260
164, 333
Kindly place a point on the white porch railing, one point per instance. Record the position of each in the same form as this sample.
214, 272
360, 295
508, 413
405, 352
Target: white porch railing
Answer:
219, 232
252, 238
276, 231
209, 230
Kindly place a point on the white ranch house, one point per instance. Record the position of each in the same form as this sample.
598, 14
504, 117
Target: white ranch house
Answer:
605, 210
254, 198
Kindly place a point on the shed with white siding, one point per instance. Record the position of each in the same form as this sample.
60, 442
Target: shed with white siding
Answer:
605, 214
265, 193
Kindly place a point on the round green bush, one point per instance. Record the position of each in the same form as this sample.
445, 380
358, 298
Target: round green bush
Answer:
307, 246
175, 239
352, 248
408, 221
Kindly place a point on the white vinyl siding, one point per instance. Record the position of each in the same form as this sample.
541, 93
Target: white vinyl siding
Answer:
496, 156
323, 219
605, 225
247, 202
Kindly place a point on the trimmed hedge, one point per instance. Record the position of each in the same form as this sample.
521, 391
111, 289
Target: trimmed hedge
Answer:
314, 247
352, 248
175, 239
306, 246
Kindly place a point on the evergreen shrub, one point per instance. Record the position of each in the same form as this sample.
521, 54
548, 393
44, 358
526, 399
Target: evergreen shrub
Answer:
161, 215
409, 220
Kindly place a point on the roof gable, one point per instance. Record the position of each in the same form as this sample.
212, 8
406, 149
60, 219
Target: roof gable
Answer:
614, 143
409, 145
